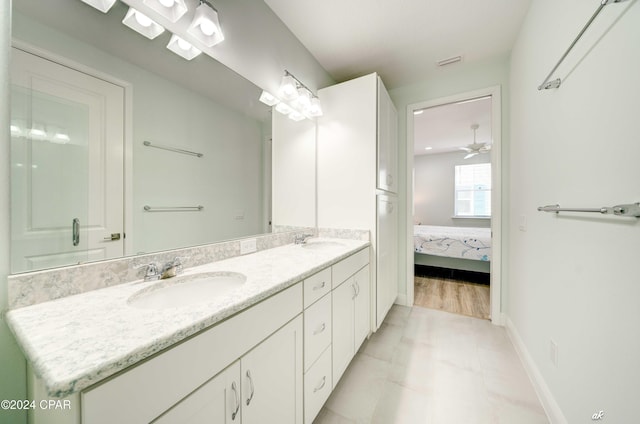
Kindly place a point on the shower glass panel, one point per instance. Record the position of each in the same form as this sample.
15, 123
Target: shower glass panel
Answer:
49, 178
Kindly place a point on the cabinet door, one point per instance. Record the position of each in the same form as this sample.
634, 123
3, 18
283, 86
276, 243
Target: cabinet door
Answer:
216, 401
272, 378
387, 142
386, 277
362, 304
343, 340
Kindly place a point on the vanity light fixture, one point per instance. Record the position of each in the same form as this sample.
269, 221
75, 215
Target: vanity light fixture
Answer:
101, 5
37, 132
284, 108
288, 88
182, 47
268, 98
170, 9
296, 116
205, 25
315, 109
142, 24
16, 131
298, 97
418, 112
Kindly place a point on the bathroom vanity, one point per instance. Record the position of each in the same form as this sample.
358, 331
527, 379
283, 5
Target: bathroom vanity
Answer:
268, 349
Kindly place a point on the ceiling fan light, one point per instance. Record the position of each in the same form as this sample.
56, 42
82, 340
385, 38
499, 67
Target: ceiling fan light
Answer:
142, 24
170, 9
182, 47
101, 5
205, 25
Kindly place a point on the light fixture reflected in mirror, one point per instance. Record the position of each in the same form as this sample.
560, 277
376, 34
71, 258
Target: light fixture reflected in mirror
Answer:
205, 25
296, 116
268, 98
142, 24
101, 5
315, 109
170, 9
182, 47
37, 132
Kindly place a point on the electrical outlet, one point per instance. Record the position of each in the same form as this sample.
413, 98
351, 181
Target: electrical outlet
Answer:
247, 246
239, 214
553, 352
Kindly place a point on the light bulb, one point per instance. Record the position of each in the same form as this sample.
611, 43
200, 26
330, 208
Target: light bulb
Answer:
167, 3
143, 19
207, 27
184, 45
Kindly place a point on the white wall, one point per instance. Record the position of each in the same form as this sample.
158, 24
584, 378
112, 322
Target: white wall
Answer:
574, 278
434, 184
294, 172
12, 363
442, 83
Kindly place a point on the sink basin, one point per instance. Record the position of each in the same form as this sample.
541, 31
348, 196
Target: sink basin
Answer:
321, 244
187, 290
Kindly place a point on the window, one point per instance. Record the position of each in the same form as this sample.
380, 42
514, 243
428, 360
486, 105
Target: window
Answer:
473, 190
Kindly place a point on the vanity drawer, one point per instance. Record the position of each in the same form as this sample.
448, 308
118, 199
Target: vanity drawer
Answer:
349, 266
317, 330
317, 386
317, 286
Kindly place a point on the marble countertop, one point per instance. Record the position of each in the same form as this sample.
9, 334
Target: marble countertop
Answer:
77, 341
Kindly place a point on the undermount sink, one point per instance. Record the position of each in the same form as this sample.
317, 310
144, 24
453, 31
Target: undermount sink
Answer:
187, 290
321, 244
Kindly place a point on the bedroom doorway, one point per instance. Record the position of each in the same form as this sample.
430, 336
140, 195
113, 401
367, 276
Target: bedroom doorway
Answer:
454, 205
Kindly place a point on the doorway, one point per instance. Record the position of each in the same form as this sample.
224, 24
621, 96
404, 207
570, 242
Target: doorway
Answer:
454, 203
67, 141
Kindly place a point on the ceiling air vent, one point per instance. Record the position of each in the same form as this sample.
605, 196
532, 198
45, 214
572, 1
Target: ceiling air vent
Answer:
449, 61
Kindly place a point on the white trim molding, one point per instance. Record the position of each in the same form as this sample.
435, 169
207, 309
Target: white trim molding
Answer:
551, 407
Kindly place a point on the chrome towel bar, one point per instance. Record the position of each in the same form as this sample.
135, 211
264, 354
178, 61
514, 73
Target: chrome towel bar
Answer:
632, 209
148, 208
546, 84
172, 149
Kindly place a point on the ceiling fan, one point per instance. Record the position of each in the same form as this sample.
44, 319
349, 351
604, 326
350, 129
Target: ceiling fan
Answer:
475, 148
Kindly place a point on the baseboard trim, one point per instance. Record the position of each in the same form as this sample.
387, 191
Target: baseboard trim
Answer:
402, 300
551, 407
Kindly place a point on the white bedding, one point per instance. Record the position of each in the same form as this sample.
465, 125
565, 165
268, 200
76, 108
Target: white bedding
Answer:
454, 242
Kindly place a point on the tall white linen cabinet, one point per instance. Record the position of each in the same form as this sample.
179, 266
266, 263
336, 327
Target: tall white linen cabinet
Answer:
357, 175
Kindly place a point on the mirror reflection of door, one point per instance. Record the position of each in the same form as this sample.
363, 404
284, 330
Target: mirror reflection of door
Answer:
67, 165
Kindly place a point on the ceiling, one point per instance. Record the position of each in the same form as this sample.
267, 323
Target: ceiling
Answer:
401, 39
446, 128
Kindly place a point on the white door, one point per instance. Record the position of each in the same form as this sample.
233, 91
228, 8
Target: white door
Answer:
386, 281
272, 378
217, 401
67, 159
362, 302
342, 314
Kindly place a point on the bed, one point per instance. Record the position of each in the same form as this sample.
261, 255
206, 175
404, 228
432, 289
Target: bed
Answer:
464, 248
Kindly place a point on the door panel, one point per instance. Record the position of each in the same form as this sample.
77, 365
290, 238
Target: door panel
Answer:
67, 163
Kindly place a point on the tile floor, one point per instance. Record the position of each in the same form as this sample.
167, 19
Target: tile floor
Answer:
429, 366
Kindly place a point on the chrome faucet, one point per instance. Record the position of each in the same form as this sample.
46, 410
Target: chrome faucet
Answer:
172, 268
151, 272
301, 238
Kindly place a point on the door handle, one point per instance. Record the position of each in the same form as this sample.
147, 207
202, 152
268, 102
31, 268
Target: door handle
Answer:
113, 237
75, 228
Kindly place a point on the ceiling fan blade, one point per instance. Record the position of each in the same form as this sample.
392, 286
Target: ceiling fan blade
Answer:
470, 155
486, 148
466, 149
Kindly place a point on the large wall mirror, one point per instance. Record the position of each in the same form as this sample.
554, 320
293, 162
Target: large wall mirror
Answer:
121, 147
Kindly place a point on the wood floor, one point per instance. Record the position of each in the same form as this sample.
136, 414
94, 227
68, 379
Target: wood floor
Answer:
452, 296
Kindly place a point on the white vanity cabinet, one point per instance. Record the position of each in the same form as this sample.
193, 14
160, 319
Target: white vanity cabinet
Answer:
263, 342
357, 161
